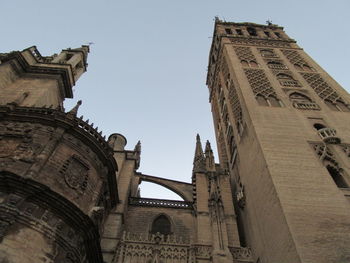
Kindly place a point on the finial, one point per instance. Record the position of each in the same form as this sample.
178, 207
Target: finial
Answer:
137, 147
74, 111
207, 146
199, 159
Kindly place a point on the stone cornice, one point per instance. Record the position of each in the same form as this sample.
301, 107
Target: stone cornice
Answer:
61, 71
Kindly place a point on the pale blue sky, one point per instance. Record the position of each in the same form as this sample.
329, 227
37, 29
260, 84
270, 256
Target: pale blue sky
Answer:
147, 68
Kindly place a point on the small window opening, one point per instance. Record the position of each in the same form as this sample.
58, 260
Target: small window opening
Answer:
239, 32
267, 33
277, 34
252, 31
69, 56
337, 177
161, 225
228, 31
319, 126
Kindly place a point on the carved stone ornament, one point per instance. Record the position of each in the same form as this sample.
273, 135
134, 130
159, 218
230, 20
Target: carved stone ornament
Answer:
16, 142
75, 173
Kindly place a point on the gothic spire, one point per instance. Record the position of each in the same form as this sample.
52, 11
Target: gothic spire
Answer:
137, 147
199, 159
209, 157
74, 111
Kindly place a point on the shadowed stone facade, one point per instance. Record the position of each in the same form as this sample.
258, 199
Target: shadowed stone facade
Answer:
278, 194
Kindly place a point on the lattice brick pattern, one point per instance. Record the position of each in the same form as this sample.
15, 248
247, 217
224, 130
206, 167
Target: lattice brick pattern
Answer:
266, 43
259, 83
244, 53
235, 104
323, 90
294, 57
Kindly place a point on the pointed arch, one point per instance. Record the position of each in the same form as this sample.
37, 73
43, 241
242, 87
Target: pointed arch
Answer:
162, 224
299, 96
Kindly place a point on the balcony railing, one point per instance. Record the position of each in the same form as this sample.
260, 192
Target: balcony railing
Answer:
306, 105
328, 135
159, 203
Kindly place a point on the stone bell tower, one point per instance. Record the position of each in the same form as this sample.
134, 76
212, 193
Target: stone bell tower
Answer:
282, 129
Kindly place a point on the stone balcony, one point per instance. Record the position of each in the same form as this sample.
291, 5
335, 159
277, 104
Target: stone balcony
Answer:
328, 135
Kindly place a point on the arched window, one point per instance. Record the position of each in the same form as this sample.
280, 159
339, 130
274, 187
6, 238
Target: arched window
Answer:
342, 106
252, 31
337, 176
299, 97
244, 63
262, 101
301, 101
298, 67
267, 53
161, 225
287, 80
253, 64
274, 102
284, 76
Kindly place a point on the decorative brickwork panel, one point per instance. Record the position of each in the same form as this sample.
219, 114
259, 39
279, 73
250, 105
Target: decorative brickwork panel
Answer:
256, 42
235, 104
323, 90
244, 53
295, 58
259, 83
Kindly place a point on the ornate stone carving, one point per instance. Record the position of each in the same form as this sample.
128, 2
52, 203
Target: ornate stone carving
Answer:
75, 172
242, 254
152, 248
16, 142
202, 251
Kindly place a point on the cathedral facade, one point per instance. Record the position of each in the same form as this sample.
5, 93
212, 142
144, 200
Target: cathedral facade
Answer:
278, 193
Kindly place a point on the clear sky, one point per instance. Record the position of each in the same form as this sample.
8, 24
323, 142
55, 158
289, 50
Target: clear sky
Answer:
147, 67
